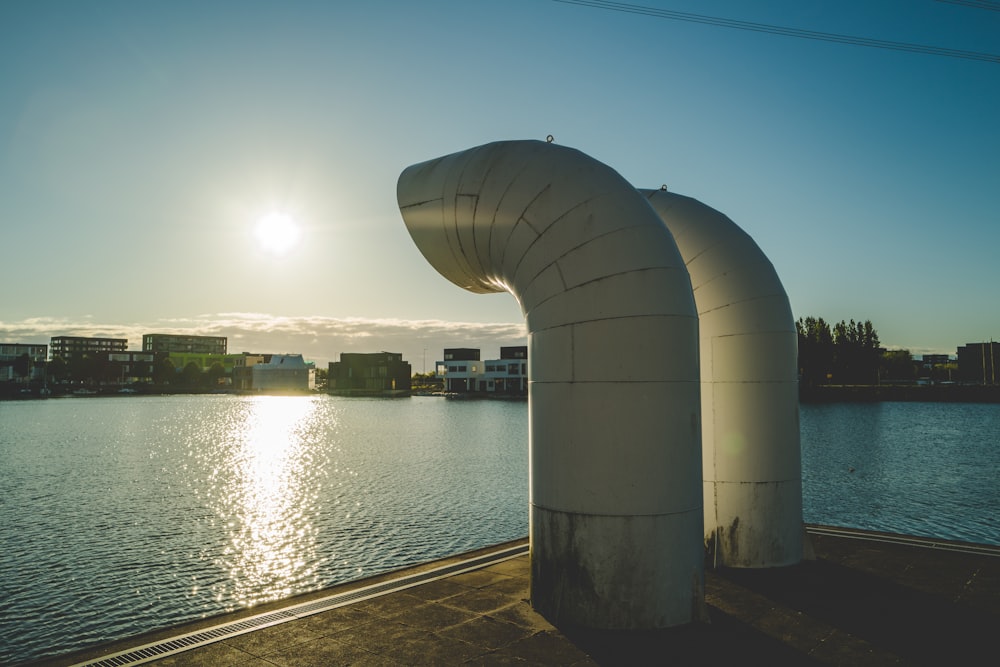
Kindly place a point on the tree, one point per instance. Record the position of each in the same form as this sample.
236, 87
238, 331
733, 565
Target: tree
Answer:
897, 366
815, 350
847, 353
57, 369
191, 375
856, 353
214, 374
84, 368
22, 366
164, 371
322, 377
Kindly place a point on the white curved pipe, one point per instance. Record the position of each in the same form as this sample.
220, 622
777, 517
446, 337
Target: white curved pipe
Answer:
614, 416
750, 404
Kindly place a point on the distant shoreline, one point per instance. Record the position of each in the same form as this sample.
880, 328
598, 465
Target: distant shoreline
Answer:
818, 394
937, 393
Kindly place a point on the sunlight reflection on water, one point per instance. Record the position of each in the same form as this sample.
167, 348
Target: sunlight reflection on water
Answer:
261, 487
127, 514
122, 515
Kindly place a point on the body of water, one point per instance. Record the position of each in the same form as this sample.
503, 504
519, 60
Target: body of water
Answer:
125, 514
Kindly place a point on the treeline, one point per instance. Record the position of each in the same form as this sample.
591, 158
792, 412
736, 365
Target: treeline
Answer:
846, 353
97, 369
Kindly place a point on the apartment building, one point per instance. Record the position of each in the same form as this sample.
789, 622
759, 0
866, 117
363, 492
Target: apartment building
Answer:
167, 344
12, 354
465, 373
69, 348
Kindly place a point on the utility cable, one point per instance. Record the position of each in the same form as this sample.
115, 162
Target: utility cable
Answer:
780, 30
978, 4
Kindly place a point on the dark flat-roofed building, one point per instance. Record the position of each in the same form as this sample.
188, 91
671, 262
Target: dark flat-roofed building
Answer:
170, 343
929, 360
461, 354
979, 363
132, 365
75, 347
378, 373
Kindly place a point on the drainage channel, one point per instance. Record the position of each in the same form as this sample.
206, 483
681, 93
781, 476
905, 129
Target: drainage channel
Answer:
908, 540
186, 642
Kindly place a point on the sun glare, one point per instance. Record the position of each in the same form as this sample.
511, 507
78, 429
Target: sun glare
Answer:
277, 233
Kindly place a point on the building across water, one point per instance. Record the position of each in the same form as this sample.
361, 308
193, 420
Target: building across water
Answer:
465, 374
22, 361
369, 374
979, 363
70, 348
284, 372
171, 343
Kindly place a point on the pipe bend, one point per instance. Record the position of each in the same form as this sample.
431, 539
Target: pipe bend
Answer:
535, 219
751, 451
614, 401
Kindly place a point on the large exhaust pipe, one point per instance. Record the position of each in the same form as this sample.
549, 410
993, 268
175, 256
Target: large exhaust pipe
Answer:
614, 402
750, 403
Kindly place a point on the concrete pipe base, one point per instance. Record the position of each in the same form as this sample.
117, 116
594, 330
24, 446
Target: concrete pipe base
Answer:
616, 572
758, 524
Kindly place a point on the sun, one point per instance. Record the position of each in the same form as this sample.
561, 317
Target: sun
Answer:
277, 233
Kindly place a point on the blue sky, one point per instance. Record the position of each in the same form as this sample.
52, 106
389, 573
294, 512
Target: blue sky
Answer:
140, 142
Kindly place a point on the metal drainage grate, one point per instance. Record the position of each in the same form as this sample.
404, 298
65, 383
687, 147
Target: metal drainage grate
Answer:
907, 540
154, 651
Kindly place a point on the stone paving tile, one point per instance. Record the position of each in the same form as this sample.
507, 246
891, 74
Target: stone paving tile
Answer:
484, 600
271, 639
841, 648
213, 655
523, 615
335, 620
419, 647
487, 633
858, 603
735, 600
516, 586
374, 637
434, 616
982, 591
545, 648
325, 651
386, 606
438, 590
496, 659
478, 578
793, 628
515, 567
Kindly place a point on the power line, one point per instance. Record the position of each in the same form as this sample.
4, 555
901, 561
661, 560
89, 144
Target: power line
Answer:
787, 32
978, 4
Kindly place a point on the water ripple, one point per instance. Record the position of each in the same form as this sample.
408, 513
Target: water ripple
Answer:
123, 515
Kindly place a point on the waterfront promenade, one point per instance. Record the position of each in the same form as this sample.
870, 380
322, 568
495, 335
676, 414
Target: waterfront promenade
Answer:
861, 599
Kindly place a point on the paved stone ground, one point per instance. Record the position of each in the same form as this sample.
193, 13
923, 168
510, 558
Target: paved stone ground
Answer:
859, 602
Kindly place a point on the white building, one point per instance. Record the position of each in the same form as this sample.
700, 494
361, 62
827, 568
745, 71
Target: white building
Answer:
284, 372
464, 373
11, 352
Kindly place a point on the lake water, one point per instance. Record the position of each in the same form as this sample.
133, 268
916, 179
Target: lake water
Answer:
124, 514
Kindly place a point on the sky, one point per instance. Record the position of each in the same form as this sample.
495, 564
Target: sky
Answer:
141, 144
